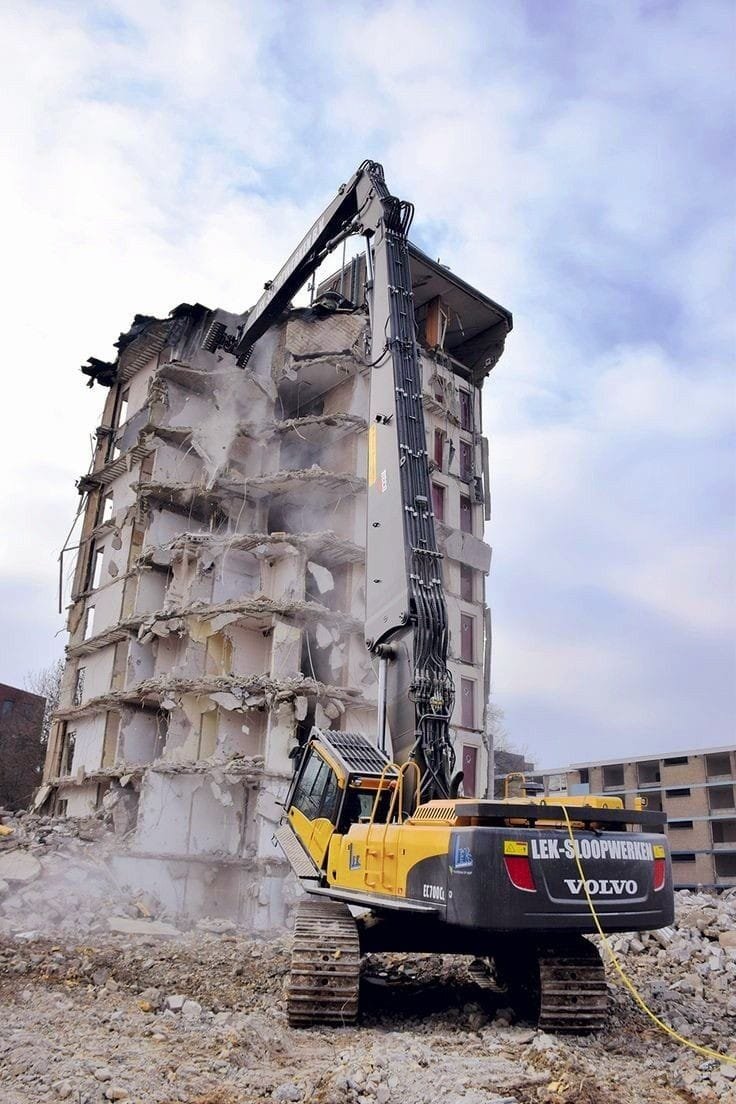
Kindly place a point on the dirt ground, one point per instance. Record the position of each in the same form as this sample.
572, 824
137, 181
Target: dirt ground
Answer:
200, 1019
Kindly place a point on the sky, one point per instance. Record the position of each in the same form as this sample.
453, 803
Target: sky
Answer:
572, 160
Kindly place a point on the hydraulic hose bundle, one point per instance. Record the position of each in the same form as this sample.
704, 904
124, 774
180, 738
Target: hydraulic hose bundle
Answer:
432, 688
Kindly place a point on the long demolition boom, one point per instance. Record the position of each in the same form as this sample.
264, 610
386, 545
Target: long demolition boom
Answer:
406, 626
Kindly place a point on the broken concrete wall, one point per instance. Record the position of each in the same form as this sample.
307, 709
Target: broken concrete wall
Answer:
228, 506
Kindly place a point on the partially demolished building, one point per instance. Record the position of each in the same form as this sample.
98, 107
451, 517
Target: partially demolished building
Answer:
218, 598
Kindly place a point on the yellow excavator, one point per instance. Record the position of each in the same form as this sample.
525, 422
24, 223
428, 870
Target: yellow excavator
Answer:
389, 836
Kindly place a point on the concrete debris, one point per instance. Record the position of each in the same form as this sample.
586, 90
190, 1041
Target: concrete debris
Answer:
164, 622
202, 1017
333, 549
169, 688
215, 925
19, 866
131, 926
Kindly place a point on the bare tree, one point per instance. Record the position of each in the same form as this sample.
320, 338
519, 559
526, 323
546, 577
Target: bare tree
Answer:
47, 683
496, 728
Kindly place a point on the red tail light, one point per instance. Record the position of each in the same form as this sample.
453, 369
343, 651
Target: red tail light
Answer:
519, 870
660, 873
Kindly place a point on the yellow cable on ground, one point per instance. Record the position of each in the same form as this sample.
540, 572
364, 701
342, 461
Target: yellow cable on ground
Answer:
627, 982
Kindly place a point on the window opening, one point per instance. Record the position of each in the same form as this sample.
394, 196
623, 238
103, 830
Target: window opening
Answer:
466, 461
466, 583
123, 411
467, 703
467, 627
470, 770
67, 753
725, 866
717, 765
89, 621
439, 449
438, 501
466, 410
613, 775
95, 568
721, 797
79, 686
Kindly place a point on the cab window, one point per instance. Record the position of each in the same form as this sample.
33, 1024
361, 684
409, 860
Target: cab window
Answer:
317, 794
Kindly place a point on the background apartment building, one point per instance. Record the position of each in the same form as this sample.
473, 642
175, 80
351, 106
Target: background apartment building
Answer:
697, 791
218, 600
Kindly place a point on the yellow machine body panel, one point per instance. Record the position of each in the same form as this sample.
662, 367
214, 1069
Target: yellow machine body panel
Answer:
315, 835
377, 858
590, 801
371, 855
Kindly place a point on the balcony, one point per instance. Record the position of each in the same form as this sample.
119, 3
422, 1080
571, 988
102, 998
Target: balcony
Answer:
648, 774
724, 834
721, 799
613, 777
718, 766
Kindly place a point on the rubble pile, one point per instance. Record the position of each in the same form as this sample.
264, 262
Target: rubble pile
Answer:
201, 1018
55, 882
103, 998
687, 973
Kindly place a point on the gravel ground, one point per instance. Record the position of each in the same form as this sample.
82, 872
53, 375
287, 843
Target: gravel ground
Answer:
200, 1019
152, 1013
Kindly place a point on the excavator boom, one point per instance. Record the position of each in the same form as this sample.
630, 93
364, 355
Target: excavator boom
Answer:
406, 625
438, 872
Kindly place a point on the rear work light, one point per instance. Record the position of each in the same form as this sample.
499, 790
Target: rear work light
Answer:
660, 867
518, 867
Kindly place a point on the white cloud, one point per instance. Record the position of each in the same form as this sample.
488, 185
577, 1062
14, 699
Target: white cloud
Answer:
177, 154
693, 585
639, 391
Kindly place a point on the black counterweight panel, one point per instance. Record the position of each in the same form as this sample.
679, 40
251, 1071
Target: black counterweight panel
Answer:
479, 893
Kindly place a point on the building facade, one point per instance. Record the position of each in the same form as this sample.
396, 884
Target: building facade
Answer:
21, 748
697, 791
218, 600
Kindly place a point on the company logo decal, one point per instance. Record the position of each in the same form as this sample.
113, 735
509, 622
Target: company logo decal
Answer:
462, 858
603, 887
591, 849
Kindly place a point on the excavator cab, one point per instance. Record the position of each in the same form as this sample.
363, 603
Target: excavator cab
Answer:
340, 779
314, 801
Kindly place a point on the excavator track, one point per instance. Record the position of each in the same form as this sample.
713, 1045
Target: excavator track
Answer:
572, 988
324, 980
561, 984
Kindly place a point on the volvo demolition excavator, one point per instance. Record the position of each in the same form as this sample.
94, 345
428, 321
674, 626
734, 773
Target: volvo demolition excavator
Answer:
433, 871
